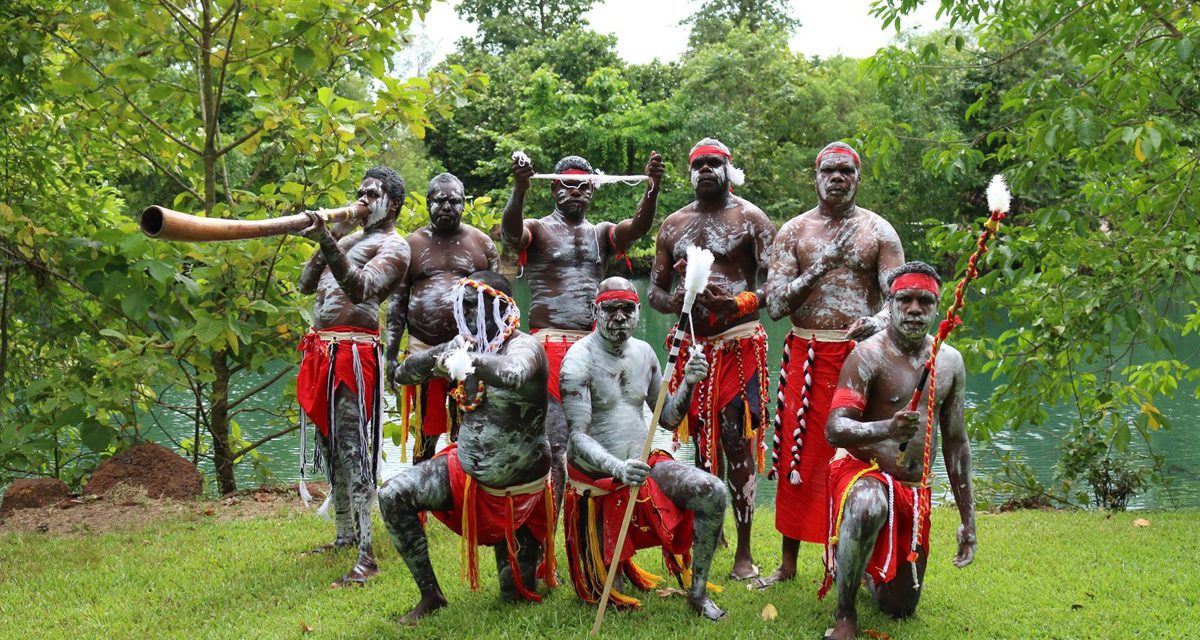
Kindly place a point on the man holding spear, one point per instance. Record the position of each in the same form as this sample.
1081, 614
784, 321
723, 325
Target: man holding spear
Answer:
339, 385
565, 257
607, 379
726, 417
880, 504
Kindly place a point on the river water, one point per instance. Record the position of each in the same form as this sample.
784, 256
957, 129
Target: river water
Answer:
1037, 447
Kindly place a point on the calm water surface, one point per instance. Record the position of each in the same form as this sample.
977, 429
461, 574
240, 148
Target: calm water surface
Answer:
1038, 447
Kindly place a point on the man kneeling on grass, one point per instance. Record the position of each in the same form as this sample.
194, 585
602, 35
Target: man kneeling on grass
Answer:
608, 377
880, 526
493, 487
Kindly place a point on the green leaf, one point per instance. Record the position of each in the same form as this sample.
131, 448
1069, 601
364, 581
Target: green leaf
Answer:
95, 436
325, 95
305, 58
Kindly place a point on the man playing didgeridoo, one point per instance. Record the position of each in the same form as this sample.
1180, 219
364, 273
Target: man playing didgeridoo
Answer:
564, 256
828, 272
493, 486
339, 384
881, 515
607, 379
726, 416
443, 252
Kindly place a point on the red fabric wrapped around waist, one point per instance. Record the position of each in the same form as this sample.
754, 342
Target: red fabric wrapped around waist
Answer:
315, 390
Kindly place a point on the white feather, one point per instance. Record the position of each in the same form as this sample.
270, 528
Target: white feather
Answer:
997, 195
695, 278
737, 177
458, 364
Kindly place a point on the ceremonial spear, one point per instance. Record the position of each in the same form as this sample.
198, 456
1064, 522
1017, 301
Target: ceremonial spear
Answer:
999, 200
699, 263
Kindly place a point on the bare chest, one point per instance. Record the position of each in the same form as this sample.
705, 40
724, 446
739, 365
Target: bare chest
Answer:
447, 258
563, 244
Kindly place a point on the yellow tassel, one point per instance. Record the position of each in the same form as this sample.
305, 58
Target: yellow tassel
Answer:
681, 431
642, 576
837, 527
548, 560
747, 420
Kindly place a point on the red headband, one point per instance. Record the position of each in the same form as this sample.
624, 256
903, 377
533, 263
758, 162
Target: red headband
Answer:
915, 281
631, 296
576, 172
845, 151
708, 149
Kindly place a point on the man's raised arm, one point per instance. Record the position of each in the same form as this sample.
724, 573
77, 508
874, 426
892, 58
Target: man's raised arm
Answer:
628, 231
513, 233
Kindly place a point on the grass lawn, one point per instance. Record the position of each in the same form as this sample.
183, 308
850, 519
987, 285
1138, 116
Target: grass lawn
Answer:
1037, 575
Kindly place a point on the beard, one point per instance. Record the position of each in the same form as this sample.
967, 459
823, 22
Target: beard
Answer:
377, 210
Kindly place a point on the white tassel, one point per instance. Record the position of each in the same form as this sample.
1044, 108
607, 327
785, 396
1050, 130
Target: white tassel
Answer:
737, 177
997, 194
458, 364
305, 496
324, 510
699, 265
794, 477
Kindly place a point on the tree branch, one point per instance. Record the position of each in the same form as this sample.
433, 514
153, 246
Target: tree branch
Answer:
261, 441
233, 145
268, 382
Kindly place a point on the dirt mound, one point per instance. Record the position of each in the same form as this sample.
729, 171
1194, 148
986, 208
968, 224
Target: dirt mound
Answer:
153, 467
32, 493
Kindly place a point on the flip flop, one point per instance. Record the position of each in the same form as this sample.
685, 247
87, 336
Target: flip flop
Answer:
749, 577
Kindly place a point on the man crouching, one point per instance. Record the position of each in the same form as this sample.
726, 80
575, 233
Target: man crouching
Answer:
492, 488
881, 526
607, 379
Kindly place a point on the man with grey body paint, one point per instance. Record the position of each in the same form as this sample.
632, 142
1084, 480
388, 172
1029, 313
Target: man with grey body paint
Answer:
881, 526
607, 379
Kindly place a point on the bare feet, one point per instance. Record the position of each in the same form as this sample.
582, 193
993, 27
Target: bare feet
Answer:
844, 629
363, 569
781, 575
426, 606
705, 607
743, 570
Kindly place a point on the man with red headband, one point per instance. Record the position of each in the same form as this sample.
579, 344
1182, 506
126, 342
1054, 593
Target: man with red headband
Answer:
608, 378
726, 417
880, 513
493, 486
339, 387
564, 256
828, 268
443, 252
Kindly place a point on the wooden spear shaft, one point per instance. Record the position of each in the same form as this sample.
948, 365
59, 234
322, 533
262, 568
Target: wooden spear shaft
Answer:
676, 341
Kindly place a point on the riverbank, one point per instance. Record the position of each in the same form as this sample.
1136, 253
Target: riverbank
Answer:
231, 569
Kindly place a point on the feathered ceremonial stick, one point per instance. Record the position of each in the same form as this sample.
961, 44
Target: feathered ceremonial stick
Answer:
597, 178
699, 264
998, 202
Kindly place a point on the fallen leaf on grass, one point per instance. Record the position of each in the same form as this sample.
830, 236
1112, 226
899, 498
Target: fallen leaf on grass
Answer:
670, 591
229, 502
304, 628
1141, 522
878, 635
209, 511
769, 612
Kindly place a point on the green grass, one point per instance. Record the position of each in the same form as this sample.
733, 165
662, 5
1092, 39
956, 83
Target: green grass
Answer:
1037, 575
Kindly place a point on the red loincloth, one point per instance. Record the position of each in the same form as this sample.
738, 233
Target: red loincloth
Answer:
895, 540
801, 511
314, 386
483, 518
737, 361
557, 342
657, 522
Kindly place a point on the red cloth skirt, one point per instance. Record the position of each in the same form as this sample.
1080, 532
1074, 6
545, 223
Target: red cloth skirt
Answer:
592, 522
556, 349
315, 386
801, 511
483, 518
895, 541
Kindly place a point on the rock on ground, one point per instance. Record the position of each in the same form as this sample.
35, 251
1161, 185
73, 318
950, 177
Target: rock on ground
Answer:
153, 467
32, 493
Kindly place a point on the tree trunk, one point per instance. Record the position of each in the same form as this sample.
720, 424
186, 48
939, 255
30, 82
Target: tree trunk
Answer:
218, 423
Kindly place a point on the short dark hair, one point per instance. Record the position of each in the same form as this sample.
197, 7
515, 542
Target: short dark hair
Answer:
393, 184
573, 162
916, 266
494, 280
443, 178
